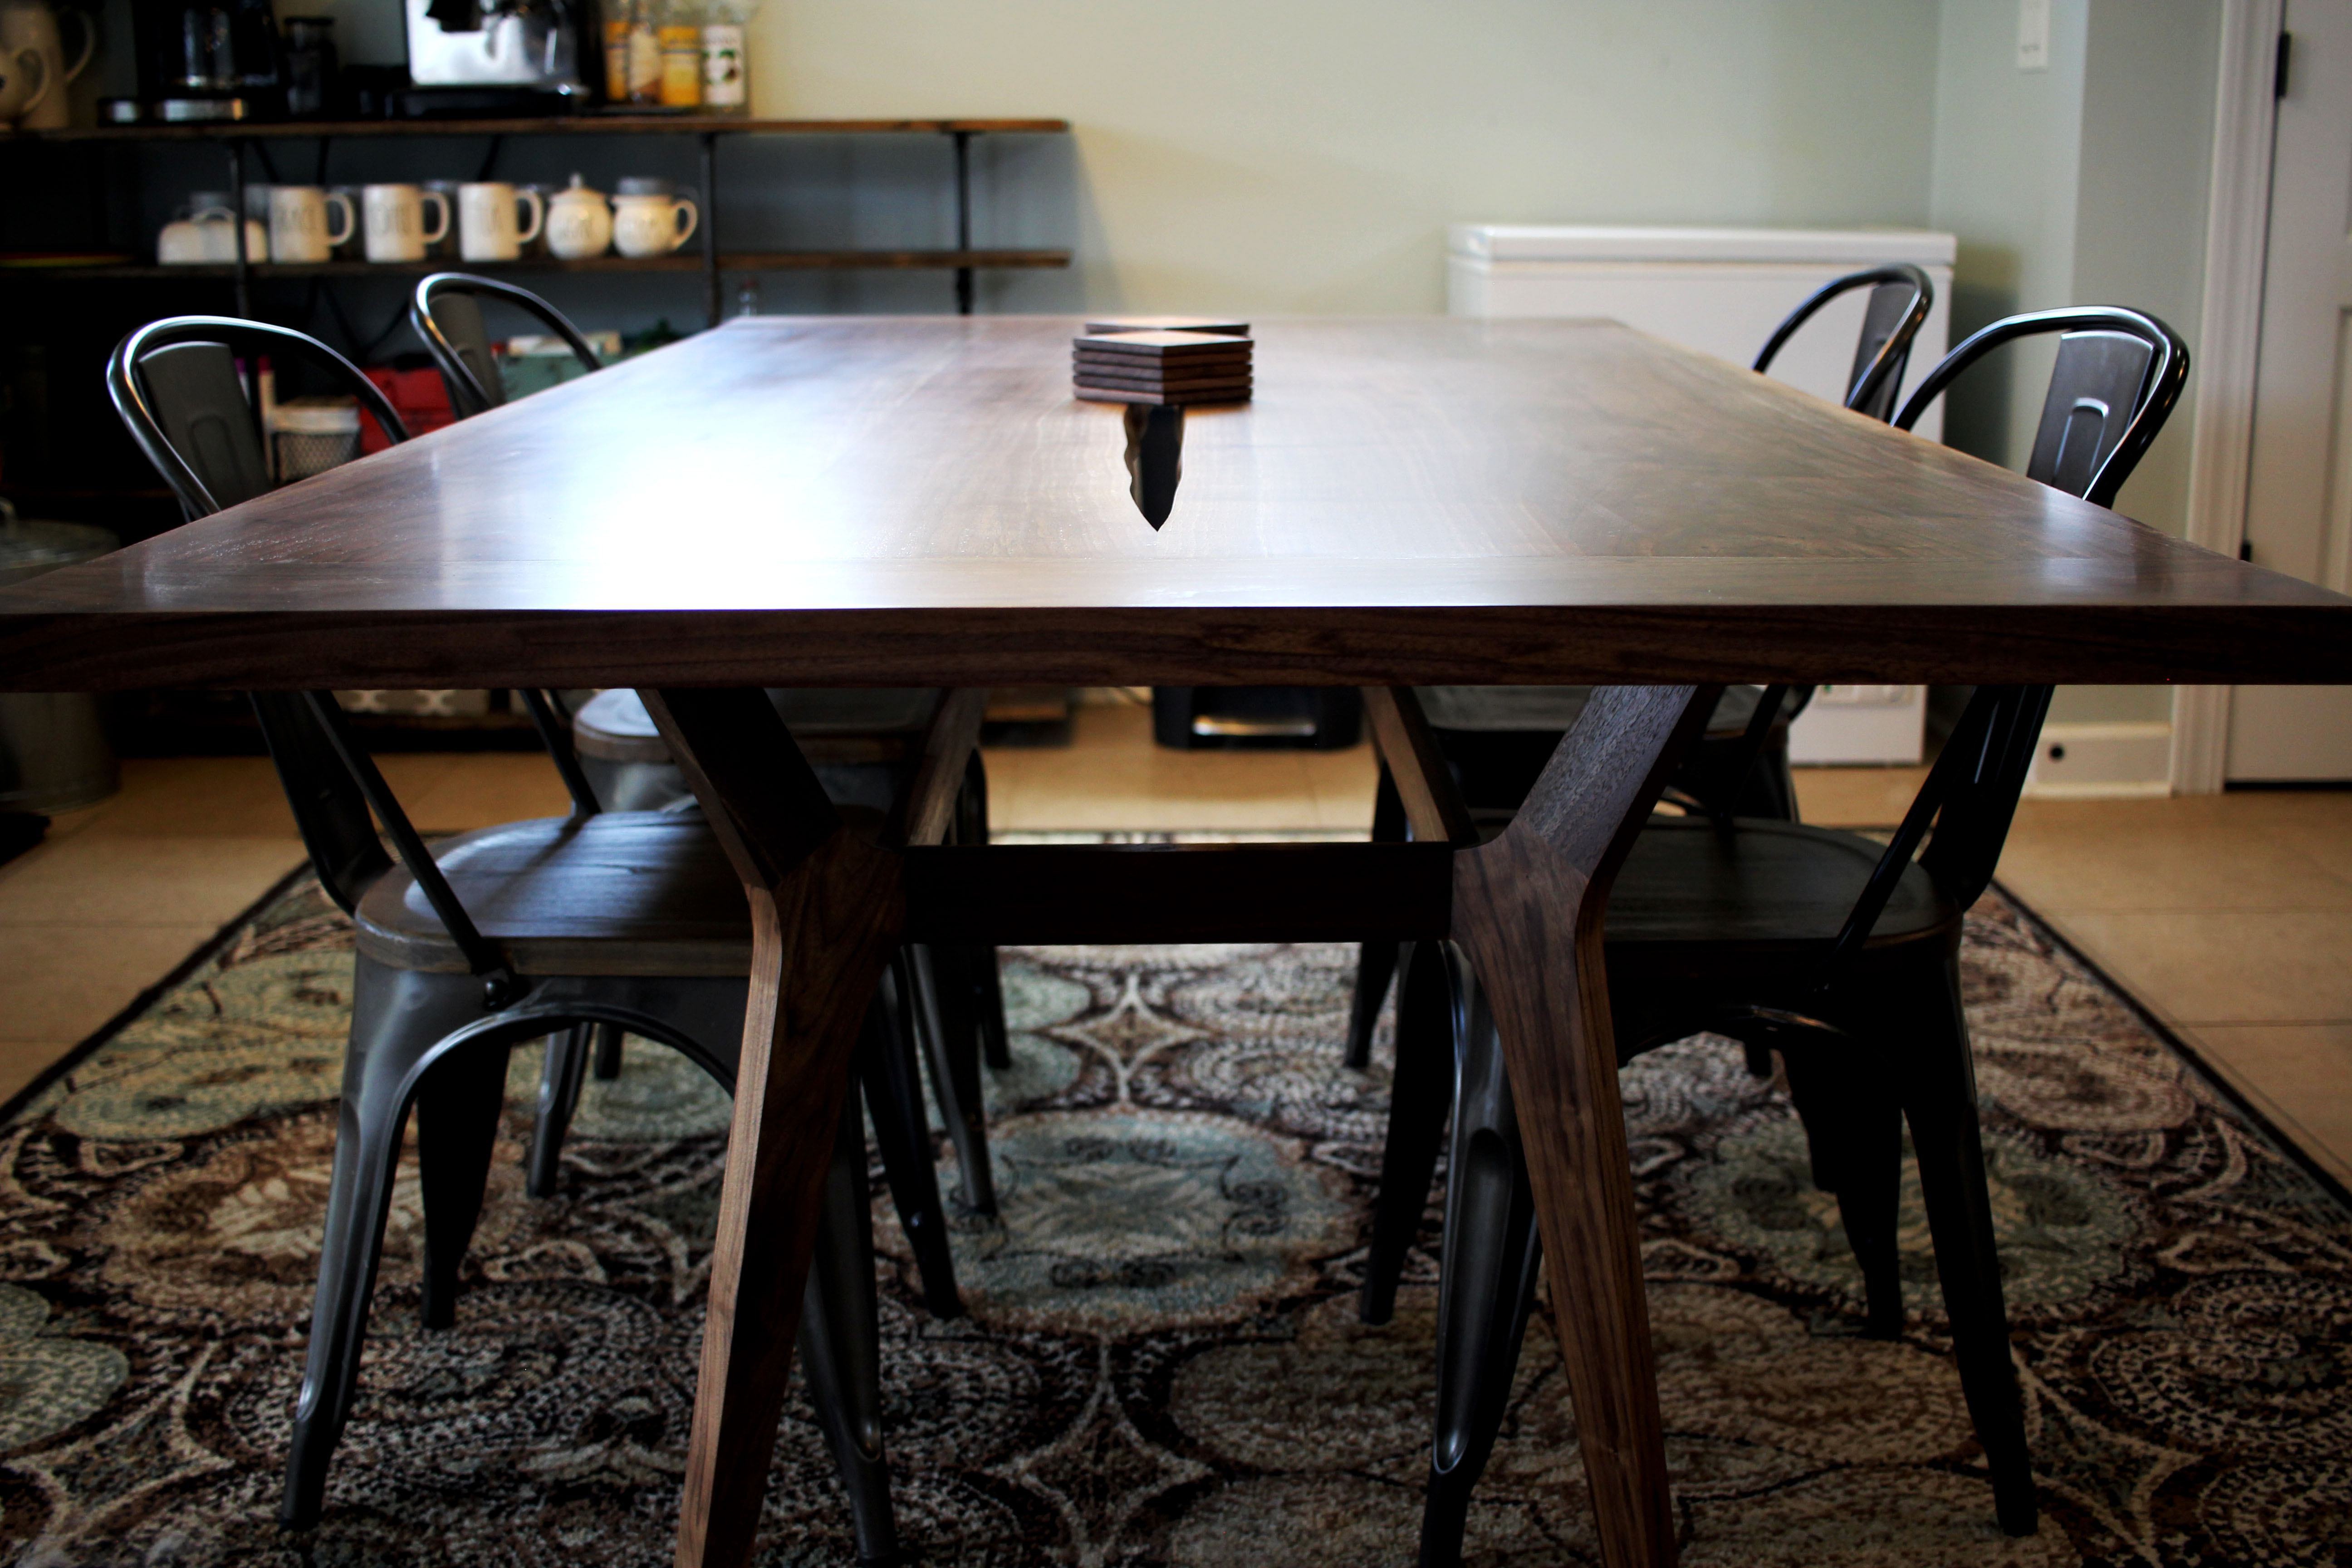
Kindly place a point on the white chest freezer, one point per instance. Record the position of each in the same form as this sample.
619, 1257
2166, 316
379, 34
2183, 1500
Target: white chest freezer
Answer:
1722, 292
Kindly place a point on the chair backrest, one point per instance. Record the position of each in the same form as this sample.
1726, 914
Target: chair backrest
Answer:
2117, 377
1900, 298
447, 313
174, 384
2119, 374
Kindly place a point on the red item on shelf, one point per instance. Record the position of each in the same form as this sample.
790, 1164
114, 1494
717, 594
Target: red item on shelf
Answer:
416, 395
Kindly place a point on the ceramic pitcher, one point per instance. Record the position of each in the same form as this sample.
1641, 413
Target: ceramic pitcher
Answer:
648, 219
579, 222
30, 26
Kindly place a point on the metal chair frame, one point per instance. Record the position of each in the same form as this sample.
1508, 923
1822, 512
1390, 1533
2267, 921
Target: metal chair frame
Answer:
1872, 1035
467, 394
439, 1042
1878, 365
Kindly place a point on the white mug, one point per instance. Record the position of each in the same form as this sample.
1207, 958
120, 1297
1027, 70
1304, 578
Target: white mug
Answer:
297, 222
26, 81
488, 229
395, 221
31, 25
209, 235
651, 226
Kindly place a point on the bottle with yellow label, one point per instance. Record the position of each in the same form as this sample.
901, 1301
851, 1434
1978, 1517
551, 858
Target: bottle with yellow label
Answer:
681, 54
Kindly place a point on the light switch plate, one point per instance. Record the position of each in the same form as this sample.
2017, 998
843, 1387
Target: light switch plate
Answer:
2034, 34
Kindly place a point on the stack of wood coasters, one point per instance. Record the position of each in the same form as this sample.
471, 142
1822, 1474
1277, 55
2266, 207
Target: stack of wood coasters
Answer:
1175, 360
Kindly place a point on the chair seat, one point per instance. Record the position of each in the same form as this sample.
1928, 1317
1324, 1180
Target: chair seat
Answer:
832, 724
628, 892
1550, 709
1692, 896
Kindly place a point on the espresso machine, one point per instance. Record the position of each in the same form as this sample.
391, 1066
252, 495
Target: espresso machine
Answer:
469, 58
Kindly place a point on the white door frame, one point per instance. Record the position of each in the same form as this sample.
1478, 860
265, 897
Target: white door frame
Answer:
2237, 233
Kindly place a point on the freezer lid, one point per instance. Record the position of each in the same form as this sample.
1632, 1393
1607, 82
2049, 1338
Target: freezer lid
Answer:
1583, 242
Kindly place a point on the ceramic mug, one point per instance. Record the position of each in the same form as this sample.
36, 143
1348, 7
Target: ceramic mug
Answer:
395, 217
299, 229
31, 25
208, 234
579, 222
651, 226
448, 190
24, 82
488, 226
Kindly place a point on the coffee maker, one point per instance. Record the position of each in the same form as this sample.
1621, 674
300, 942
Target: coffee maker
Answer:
495, 58
208, 60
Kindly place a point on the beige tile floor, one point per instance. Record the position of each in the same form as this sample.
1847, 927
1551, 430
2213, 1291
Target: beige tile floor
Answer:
2228, 917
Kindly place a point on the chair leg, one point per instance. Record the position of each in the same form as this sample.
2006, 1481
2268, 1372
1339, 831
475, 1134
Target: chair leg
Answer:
396, 1019
1487, 1287
1855, 1127
1939, 1099
1419, 1094
1376, 962
457, 1107
840, 1343
943, 1019
559, 1097
988, 1002
608, 1051
1769, 790
970, 827
894, 1098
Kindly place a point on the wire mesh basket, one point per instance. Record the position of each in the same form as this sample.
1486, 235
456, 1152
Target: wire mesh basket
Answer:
311, 435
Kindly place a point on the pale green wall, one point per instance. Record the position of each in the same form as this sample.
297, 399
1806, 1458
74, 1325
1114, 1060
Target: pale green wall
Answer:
1268, 155
2084, 184
2147, 154
2007, 145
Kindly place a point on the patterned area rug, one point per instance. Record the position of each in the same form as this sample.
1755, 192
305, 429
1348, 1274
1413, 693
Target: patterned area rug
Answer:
1162, 1365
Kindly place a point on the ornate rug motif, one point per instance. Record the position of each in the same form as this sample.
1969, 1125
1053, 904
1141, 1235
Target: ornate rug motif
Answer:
1162, 1364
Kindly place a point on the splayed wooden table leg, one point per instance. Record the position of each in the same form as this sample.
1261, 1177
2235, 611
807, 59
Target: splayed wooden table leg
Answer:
1528, 906
827, 909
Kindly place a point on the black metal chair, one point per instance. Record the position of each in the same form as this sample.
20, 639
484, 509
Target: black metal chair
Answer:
1840, 953
447, 313
861, 742
1497, 739
627, 919
1900, 298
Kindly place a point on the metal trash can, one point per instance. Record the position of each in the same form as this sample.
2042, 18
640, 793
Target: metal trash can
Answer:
53, 749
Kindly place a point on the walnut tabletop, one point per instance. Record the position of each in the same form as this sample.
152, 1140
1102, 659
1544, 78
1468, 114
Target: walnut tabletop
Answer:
920, 501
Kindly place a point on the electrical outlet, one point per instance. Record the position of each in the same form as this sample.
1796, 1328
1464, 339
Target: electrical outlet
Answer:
2034, 34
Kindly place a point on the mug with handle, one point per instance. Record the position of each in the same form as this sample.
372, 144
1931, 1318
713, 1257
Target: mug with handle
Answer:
649, 220
488, 226
24, 82
31, 25
395, 223
299, 227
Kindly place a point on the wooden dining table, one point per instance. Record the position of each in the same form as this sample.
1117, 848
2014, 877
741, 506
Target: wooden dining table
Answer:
921, 502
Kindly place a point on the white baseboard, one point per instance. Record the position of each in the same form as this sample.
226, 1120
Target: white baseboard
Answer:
2103, 761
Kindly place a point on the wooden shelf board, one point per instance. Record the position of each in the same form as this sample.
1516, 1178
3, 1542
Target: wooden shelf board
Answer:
791, 260
579, 126
677, 261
